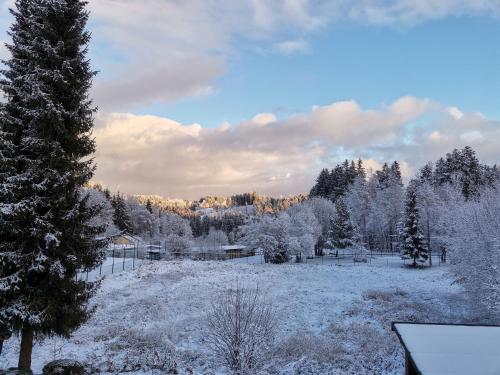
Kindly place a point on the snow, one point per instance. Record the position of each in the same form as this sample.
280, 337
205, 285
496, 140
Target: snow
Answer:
334, 318
458, 350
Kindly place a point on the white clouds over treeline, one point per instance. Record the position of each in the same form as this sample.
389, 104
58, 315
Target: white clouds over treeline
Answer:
148, 154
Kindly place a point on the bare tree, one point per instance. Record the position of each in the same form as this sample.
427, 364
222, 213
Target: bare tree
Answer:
240, 329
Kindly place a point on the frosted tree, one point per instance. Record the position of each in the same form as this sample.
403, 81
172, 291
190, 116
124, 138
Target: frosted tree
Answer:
270, 235
121, 216
357, 201
386, 193
45, 147
463, 168
104, 218
324, 211
430, 207
473, 236
342, 231
143, 222
174, 224
214, 240
304, 230
413, 240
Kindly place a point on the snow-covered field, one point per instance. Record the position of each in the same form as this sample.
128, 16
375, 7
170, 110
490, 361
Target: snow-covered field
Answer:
333, 319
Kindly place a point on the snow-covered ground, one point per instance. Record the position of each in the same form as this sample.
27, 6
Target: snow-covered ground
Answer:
333, 318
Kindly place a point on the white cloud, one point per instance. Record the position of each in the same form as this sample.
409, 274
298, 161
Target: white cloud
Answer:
455, 112
264, 118
289, 47
148, 154
160, 51
184, 44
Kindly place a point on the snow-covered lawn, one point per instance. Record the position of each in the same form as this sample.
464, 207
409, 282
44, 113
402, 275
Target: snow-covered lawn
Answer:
333, 319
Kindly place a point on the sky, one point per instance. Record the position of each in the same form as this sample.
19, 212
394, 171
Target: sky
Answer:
217, 97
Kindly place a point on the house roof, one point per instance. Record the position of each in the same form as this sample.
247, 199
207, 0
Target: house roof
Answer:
446, 349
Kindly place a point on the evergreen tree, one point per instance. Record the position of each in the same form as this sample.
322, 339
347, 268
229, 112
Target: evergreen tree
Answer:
321, 189
471, 178
384, 176
413, 239
149, 206
463, 168
342, 232
107, 194
45, 144
361, 169
395, 174
426, 174
338, 183
121, 216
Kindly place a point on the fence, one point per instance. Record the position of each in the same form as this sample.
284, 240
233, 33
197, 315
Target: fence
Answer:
122, 259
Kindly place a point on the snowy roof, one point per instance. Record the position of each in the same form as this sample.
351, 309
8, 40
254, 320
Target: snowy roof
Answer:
440, 349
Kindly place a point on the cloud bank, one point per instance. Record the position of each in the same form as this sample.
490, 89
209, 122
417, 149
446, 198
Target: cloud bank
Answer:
153, 155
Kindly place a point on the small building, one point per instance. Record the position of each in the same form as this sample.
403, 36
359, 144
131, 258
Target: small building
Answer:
445, 349
236, 251
124, 240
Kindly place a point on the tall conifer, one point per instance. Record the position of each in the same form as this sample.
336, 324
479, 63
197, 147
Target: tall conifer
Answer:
45, 147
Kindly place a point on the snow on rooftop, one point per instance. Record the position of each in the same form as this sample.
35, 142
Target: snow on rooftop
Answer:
452, 349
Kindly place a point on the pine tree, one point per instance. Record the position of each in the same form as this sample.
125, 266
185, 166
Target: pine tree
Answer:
395, 173
361, 169
413, 239
471, 178
45, 144
321, 189
462, 167
426, 174
149, 206
121, 216
342, 232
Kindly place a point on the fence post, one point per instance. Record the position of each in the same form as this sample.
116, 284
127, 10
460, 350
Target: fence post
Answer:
133, 260
123, 268
113, 265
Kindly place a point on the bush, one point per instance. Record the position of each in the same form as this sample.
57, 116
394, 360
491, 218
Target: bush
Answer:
240, 329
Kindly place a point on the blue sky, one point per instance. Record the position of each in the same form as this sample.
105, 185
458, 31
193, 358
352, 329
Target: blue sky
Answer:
223, 96
453, 60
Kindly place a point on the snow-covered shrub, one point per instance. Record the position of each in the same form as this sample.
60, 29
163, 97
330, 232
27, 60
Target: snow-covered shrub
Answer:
178, 245
360, 253
303, 344
145, 349
214, 241
240, 330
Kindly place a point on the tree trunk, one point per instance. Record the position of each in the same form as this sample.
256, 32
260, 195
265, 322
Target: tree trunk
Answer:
25, 349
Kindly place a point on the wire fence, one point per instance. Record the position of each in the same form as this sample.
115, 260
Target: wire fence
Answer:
121, 259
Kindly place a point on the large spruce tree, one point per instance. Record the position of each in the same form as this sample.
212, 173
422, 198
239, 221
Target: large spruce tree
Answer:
342, 232
413, 239
45, 147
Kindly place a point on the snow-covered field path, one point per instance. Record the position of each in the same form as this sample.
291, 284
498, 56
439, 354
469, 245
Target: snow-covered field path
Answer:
337, 310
